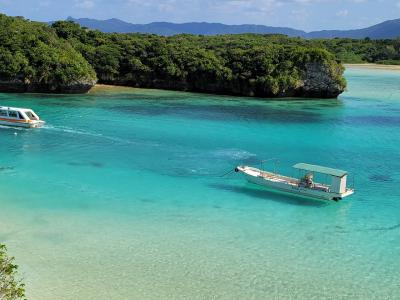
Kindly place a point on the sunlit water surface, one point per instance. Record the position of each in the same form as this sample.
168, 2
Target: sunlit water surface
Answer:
120, 196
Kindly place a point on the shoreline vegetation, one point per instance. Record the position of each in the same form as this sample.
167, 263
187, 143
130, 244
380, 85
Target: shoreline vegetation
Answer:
242, 65
34, 59
10, 287
100, 87
67, 58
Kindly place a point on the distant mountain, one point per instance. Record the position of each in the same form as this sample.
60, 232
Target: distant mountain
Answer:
388, 29
166, 28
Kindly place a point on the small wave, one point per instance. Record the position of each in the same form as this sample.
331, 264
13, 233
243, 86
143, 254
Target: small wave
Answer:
12, 128
185, 172
233, 154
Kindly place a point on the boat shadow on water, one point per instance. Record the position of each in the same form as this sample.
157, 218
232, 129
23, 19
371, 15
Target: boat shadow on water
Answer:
267, 195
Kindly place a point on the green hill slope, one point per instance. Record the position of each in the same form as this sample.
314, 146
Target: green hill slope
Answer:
248, 65
34, 59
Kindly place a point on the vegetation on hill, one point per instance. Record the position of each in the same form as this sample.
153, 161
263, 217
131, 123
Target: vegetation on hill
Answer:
364, 51
33, 58
10, 288
65, 57
250, 65
345, 50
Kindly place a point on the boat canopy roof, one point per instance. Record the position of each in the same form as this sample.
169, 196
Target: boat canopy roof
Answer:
15, 108
319, 169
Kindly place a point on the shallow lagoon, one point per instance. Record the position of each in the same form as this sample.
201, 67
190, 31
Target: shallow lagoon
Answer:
120, 196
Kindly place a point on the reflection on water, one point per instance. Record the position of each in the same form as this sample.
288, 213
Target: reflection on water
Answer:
267, 195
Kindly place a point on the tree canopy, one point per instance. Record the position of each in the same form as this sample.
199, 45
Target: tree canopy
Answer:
248, 64
66, 57
31, 53
10, 287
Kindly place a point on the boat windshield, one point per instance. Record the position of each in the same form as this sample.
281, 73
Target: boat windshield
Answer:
31, 116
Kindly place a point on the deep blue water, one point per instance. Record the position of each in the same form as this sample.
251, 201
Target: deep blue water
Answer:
120, 195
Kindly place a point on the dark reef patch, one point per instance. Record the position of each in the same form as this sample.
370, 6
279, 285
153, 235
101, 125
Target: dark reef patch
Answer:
87, 164
2, 169
382, 228
380, 178
222, 112
397, 226
393, 121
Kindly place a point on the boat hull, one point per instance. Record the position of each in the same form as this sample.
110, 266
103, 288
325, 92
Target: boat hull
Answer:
22, 123
272, 186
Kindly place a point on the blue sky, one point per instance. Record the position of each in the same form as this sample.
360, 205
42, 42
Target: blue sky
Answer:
301, 14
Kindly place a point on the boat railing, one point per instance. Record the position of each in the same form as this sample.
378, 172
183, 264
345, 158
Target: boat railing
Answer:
269, 175
293, 181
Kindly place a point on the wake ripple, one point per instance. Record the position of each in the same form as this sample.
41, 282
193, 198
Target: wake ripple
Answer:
235, 154
71, 130
13, 128
114, 139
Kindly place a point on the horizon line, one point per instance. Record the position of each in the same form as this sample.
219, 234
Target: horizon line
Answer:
211, 22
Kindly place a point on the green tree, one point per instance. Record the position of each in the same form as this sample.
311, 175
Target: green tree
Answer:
10, 287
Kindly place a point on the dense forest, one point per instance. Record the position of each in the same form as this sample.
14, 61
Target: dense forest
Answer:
251, 65
363, 51
33, 58
65, 57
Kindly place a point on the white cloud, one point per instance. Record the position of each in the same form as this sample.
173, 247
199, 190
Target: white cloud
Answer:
300, 15
85, 4
342, 13
229, 5
44, 3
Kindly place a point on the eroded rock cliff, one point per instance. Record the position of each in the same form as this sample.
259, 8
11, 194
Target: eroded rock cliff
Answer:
322, 80
21, 86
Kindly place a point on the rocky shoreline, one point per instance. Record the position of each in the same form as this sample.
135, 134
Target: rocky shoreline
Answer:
317, 82
19, 86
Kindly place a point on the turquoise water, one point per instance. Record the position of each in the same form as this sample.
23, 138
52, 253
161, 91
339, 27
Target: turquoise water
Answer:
120, 196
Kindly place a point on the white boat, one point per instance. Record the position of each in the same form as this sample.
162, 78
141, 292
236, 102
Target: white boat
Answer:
20, 117
305, 185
